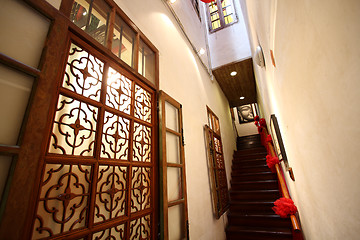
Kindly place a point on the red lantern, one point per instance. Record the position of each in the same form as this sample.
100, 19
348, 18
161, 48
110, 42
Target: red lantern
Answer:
207, 1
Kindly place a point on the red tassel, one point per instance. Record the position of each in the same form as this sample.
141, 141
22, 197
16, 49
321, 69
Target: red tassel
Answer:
271, 162
284, 207
268, 138
262, 122
256, 118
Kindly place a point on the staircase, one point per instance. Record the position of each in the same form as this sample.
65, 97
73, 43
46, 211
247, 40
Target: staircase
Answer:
254, 188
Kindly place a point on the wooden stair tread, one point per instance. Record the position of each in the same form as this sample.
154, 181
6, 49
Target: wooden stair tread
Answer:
251, 202
256, 191
251, 166
251, 174
255, 181
261, 230
250, 215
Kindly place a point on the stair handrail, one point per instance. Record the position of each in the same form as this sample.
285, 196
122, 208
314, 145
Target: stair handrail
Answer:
283, 188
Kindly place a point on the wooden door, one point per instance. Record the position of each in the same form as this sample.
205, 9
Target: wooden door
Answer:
99, 169
174, 224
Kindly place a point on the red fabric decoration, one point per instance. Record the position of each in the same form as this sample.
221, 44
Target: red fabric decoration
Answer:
256, 123
262, 122
256, 118
284, 207
207, 1
271, 162
259, 129
268, 138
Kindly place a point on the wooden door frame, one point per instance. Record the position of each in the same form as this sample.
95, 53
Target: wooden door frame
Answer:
163, 97
20, 203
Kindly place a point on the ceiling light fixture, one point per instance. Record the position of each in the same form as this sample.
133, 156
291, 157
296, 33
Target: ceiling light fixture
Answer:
242, 98
172, 1
233, 73
201, 51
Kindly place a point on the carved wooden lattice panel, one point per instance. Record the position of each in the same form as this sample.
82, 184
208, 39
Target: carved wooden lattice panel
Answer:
217, 172
97, 179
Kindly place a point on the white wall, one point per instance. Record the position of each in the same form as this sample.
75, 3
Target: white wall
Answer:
314, 92
230, 44
184, 79
193, 26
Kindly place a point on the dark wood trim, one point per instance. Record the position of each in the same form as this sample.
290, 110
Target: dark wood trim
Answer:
176, 202
9, 150
66, 6
111, 29
10, 62
173, 132
136, 55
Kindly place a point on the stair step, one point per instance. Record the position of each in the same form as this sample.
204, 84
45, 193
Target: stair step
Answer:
256, 233
251, 162
255, 195
252, 138
255, 149
254, 189
258, 220
268, 175
252, 207
239, 157
255, 185
237, 168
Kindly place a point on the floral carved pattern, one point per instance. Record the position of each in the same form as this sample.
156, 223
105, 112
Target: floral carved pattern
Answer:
140, 189
142, 143
140, 228
63, 203
142, 104
217, 144
74, 128
118, 95
115, 138
83, 73
117, 233
110, 194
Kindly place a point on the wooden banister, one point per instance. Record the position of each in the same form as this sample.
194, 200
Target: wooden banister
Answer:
283, 188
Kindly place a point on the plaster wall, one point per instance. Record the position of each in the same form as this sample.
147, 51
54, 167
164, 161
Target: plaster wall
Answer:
183, 78
230, 44
194, 27
314, 90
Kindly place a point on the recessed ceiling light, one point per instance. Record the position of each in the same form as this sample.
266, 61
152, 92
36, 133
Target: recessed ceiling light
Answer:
201, 51
233, 73
172, 1
241, 98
